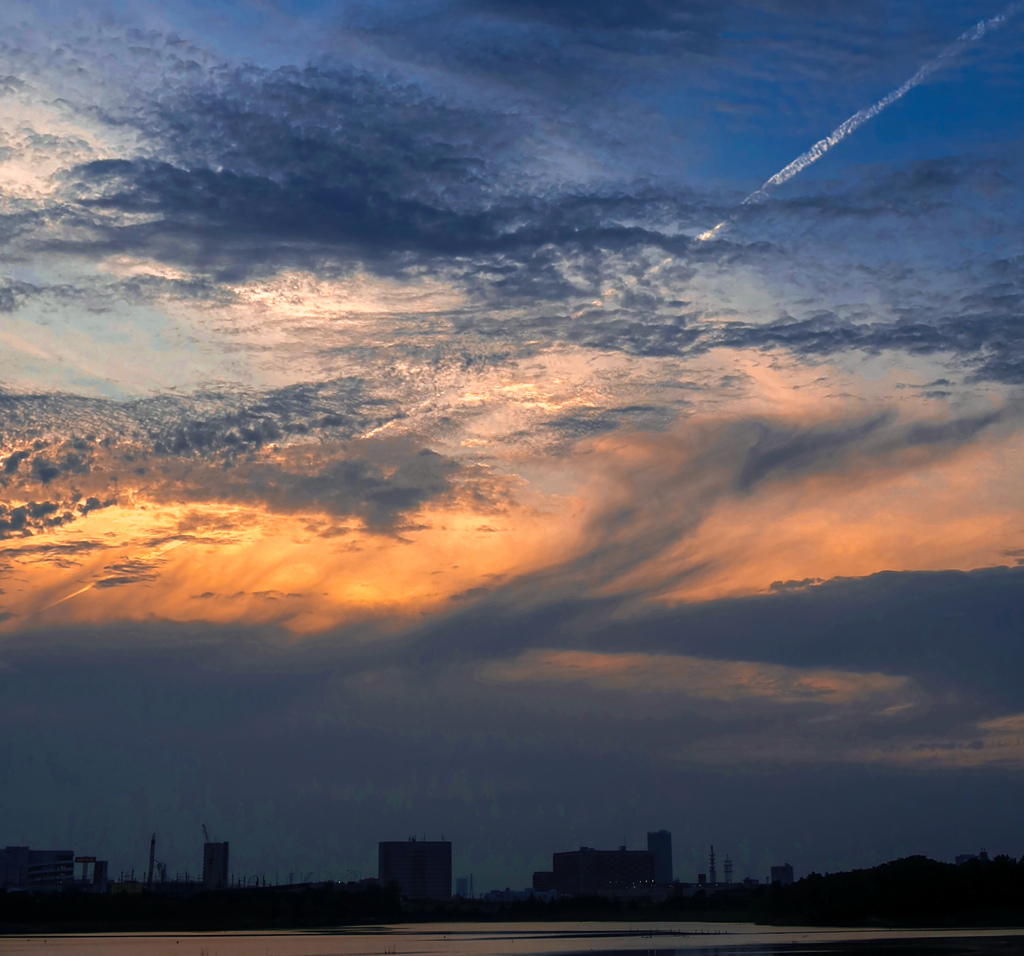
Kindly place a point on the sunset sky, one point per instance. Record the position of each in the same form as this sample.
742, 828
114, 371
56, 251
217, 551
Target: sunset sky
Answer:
387, 447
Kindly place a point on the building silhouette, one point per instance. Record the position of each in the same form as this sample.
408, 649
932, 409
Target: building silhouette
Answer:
783, 875
967, 857
215, 866
22, 866
588, 871
660, 844
421, 868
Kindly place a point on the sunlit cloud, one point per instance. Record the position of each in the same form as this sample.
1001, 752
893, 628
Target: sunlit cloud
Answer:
700, 679
305, 296
762, 476
302, 571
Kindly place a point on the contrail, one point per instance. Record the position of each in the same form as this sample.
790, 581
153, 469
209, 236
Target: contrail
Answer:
859, 119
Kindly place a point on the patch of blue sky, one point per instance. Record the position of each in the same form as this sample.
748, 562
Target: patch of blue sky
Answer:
736, 134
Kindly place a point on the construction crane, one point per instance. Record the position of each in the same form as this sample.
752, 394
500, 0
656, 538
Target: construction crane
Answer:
206, 834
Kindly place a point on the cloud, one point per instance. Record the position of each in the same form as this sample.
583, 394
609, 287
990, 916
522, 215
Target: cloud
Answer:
253, 220
990, 743
520, 247
696, 678
989, 344
250, 173
13, 461
399, 482
34, 516
833, 446
804, 449
132, 571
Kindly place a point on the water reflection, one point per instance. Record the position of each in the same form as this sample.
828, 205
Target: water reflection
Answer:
532, 939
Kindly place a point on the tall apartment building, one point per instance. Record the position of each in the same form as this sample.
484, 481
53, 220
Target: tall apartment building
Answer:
422, 868
215, 866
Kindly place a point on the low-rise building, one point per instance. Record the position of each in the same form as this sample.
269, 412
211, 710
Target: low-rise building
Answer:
588, 871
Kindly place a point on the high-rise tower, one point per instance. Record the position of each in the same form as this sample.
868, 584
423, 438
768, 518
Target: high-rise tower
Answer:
660, 844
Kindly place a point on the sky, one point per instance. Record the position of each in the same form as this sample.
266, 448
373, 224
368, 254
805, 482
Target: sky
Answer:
386, 448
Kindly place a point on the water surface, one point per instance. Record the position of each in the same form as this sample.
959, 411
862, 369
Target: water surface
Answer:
534, 939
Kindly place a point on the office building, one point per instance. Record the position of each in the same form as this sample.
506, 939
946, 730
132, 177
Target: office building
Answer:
462, 887
215, 866
421, 868
586, 870
660, 844
783, 875
22, 866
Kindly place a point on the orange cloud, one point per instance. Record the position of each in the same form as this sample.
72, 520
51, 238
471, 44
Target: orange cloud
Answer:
250, 566
287, 535
699, 678
674, 520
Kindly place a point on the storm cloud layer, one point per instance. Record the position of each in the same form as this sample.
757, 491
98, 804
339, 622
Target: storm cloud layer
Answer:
369, 398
